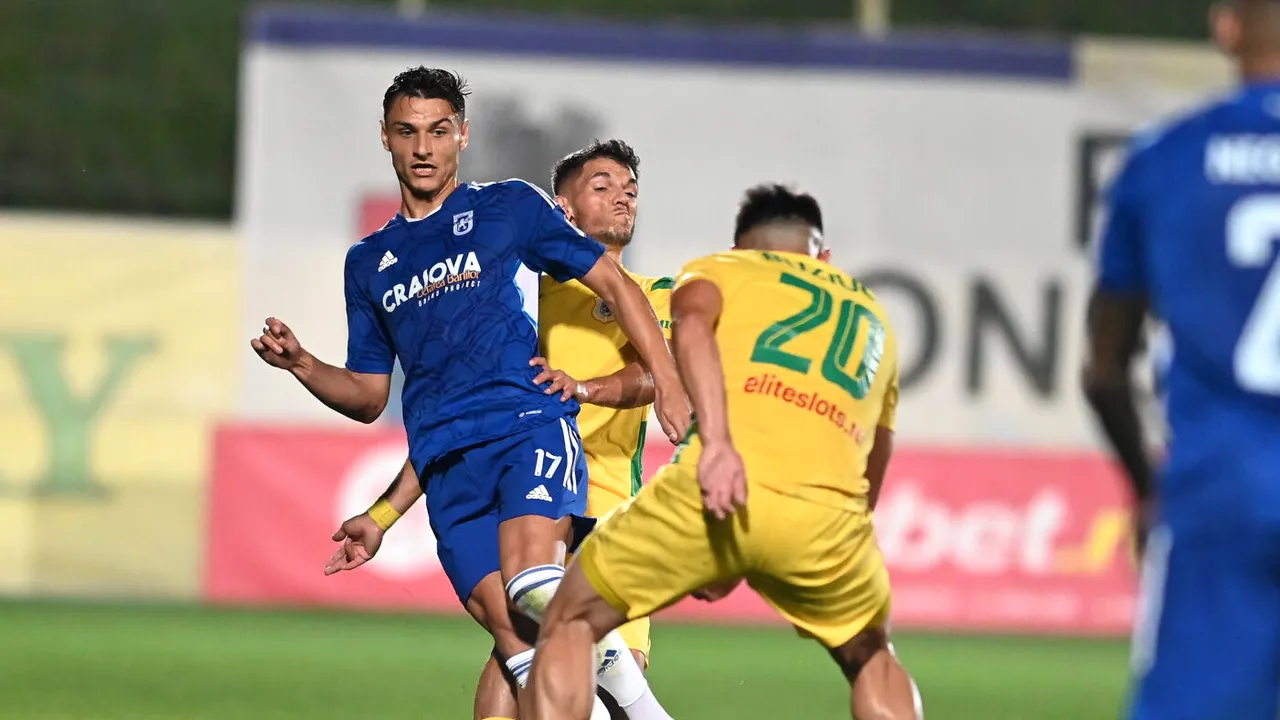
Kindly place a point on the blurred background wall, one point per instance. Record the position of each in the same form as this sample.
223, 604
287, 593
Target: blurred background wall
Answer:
173, 172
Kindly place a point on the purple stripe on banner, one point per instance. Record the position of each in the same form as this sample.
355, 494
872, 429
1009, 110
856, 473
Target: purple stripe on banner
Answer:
664, 43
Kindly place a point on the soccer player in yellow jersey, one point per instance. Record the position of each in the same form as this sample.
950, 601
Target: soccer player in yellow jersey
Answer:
598, 187
792, 370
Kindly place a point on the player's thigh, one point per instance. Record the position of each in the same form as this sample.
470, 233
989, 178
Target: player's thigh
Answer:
1207, 637
540, 472
464, 519
658, 547
819, 566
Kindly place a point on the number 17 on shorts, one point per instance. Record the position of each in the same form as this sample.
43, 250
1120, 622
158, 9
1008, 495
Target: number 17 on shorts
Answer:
545, 473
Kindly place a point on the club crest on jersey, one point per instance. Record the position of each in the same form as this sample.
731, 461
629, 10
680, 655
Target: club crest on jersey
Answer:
463, 222
602, 312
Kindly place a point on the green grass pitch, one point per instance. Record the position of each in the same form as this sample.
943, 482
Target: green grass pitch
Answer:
77, 661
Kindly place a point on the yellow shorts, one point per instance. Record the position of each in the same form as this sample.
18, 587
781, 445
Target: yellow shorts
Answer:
819, 566
601, 503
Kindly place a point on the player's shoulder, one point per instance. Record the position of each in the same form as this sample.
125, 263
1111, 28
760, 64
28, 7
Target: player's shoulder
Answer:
506, 192
653, 284
377, 244
1181, 130
712, 264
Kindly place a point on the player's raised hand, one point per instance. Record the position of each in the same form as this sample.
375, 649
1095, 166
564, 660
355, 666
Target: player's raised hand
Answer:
672, 408
360, 537
278, 346
559, 381
723, 480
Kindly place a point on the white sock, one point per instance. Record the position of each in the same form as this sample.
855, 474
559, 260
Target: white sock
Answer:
617, 671
521, 663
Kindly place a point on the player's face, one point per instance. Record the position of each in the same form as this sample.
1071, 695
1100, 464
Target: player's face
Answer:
1226, 28
424, 137
601, 201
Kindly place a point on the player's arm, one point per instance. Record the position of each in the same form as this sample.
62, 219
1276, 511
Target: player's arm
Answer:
1116, 313
695, 310
359, 390
882, 450
359, 396
404, 490
361, 536
638, 322
1114, 330
559, 249
632, 386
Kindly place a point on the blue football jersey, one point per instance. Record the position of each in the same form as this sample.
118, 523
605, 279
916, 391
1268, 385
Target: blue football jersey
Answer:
1193, 224
443, 295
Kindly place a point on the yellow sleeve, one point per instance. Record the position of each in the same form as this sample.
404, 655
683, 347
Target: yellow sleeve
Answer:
706, 268
889, 412
659, 294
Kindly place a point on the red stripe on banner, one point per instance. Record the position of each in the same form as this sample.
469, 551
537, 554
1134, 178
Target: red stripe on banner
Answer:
974, 540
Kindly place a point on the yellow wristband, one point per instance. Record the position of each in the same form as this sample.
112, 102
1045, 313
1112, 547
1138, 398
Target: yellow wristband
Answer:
383, 514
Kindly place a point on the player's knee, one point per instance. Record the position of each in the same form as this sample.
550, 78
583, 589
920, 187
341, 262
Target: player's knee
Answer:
854, 655
531, 590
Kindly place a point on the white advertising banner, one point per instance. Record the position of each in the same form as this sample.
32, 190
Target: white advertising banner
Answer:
957, 179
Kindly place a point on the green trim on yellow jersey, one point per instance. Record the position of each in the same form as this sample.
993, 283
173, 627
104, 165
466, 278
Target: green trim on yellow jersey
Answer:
689, 436
637, 460
664, 283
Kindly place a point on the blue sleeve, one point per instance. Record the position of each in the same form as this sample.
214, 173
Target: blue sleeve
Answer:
549, 242
368, 345
1120, 258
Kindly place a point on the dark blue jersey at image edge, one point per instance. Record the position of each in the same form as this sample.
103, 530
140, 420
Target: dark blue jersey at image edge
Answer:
1194, 225
441, 294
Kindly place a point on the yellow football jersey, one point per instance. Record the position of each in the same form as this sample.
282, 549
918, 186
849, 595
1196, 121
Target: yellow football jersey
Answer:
810, 366
579, 335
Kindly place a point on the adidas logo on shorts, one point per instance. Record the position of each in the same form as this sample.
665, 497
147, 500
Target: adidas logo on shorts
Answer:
539, 493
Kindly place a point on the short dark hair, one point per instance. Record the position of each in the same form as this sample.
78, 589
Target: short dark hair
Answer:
430, 84
772, 203
573, 163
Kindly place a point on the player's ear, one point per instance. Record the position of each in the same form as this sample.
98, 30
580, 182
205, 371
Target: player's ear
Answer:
1224, 26
563, 202
386, 141
465, 134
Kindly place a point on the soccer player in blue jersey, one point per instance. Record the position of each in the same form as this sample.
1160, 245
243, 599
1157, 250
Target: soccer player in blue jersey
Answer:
448, 288
1192, 233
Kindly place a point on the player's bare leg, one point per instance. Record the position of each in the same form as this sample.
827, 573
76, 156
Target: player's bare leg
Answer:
881, 687
533, 549
496, 691
510, 631
563, 680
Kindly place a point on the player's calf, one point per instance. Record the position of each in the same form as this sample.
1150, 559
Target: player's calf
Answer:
533, 548
534, 591
496, 691
564, 676
881, 687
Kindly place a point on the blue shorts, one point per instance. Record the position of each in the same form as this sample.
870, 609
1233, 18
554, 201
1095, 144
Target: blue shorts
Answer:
1207, 636
471, 491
